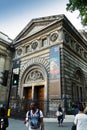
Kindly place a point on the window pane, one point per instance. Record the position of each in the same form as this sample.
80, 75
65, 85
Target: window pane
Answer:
44, 42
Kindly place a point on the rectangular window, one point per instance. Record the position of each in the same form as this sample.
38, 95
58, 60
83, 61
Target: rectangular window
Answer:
27, 48
44, 42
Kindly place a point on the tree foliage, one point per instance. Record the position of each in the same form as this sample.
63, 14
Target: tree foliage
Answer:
81, 6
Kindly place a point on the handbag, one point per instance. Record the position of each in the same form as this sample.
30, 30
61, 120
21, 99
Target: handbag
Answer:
73, 127
58, 113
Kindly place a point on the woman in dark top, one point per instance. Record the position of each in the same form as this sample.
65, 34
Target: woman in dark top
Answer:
59, 115
3, 119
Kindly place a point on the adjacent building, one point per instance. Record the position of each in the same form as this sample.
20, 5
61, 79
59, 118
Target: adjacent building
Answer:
5, 67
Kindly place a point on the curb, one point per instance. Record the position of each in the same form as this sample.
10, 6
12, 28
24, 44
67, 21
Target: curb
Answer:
68, 118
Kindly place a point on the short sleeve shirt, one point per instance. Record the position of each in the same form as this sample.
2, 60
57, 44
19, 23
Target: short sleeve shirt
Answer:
81, 121
41, 116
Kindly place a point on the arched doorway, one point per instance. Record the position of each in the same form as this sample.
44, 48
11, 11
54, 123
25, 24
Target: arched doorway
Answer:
34, 85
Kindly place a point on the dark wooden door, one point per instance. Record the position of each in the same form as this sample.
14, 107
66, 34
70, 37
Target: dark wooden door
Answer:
39, 96
28, 93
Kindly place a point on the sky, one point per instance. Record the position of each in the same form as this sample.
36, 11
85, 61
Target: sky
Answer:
16, 14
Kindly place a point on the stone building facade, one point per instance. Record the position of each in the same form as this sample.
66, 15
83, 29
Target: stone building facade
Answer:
5, 67
53, 60
49, 60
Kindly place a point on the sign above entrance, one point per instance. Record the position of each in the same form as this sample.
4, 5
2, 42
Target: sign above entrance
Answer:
16, 71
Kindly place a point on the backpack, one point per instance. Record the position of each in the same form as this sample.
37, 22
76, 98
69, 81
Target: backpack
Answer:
34, 121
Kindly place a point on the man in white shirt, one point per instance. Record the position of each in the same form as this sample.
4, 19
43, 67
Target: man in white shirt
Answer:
34, 118
81, 119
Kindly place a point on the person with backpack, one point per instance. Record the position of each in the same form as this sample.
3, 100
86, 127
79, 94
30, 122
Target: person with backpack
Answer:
34, 118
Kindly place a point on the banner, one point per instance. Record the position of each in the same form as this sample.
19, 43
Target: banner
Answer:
55, 62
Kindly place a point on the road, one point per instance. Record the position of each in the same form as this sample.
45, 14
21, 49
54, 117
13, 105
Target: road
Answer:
50, 124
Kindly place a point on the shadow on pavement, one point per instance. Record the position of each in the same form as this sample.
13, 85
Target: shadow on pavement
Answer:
19, 125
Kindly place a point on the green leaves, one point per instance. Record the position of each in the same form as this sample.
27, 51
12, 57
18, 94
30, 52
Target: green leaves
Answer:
81, 6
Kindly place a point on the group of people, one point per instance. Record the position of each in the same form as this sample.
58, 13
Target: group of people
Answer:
80, 113
34, 117
80, 120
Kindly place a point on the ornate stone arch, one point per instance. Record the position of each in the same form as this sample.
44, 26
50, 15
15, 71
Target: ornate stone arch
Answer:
38, 69
37, 60
39, 65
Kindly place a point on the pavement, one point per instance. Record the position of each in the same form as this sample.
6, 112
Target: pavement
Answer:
68, 118
49, 123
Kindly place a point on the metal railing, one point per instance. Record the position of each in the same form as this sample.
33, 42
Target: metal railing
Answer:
19, 107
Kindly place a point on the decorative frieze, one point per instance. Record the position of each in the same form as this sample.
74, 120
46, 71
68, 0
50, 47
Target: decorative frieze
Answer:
37, 60
34, 75
75, 46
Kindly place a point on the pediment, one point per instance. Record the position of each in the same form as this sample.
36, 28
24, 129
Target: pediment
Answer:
35, 25
35, 29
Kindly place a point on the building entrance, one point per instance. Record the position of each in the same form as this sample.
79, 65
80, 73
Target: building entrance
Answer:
35, 86
28, 93
39, 96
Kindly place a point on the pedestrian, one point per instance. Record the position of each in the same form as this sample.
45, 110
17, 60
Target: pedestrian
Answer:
81, 119
76, 109
59, 115
34, 118
3, 119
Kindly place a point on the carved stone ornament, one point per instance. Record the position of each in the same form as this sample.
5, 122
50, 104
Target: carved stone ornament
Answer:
34, 45
34, 75
54, 37
19, 51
